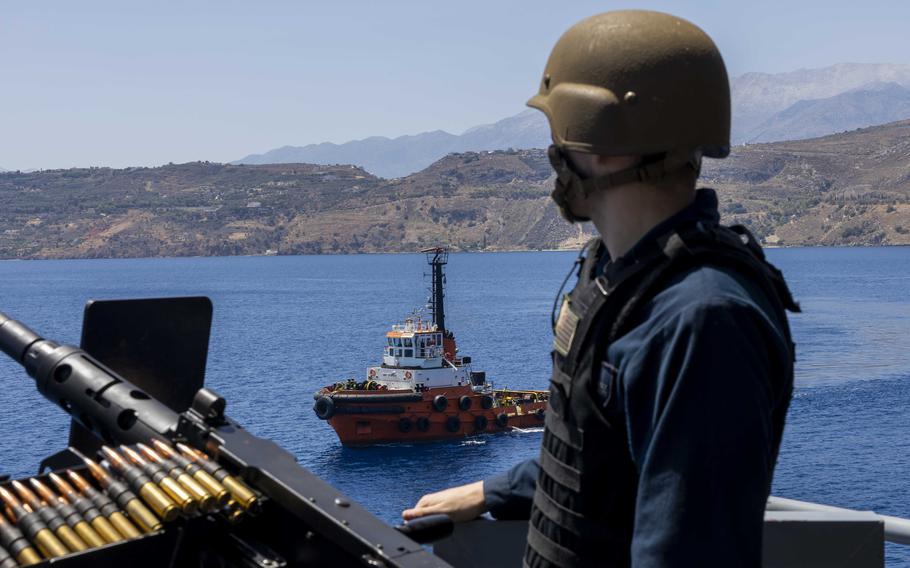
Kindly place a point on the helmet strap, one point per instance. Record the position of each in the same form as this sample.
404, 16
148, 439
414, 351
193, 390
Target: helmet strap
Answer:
648, 171
651, 170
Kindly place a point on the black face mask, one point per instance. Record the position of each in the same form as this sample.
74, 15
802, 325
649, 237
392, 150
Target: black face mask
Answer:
568, 184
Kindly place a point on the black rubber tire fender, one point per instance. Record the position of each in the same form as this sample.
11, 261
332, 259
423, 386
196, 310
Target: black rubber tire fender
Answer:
453, 424
464, 403
423, 424
486, 402
480, 422
540, 413
502, 419
405, 424
440, 403
324, 407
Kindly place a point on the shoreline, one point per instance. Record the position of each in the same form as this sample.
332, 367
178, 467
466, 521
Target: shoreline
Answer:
452, 251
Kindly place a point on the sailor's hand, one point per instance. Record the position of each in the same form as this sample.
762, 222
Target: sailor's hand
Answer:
462, 503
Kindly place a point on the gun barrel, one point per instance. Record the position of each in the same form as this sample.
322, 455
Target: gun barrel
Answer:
15, 337
84, 387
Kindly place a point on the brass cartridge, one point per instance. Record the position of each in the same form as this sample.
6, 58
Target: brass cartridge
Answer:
18, 546
33, 527
87, 509
207, 502
126, 499
51, 517
242, 493
69, 514
58, 526
150, 493
239, 490
6, 561
222, 495
174, 490
233, 512
104, 503
123, 525
49, 545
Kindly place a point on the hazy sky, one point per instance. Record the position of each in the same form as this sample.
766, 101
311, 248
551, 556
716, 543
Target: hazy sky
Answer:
127, 83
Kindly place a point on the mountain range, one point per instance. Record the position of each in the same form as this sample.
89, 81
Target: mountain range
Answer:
850, 188
766, 107
757, 97
876, 103
396, 157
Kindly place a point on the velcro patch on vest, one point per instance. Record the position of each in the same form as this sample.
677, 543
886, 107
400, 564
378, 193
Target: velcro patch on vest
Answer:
565, 328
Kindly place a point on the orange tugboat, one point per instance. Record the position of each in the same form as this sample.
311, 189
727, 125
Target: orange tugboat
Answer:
424, 390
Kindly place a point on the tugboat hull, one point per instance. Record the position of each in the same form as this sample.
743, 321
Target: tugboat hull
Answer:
363, 418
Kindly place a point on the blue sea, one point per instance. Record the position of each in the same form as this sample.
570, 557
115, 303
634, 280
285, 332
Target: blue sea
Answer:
285, 326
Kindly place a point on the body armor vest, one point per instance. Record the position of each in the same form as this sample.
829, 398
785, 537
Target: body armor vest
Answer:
584, 505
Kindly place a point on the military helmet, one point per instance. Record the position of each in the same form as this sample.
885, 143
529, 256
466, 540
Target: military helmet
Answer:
636, 83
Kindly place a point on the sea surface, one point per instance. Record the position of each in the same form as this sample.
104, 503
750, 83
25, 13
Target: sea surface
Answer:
285, 326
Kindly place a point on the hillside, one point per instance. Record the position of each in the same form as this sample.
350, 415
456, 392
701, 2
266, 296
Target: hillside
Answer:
471, 201
845, 189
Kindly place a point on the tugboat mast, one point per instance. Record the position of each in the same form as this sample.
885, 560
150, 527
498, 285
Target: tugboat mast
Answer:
437, 258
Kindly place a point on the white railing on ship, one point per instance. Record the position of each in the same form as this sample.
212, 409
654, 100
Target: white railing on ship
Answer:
897, 530
795, 533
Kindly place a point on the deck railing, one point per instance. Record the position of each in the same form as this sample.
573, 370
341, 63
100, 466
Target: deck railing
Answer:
896, 529
796, 534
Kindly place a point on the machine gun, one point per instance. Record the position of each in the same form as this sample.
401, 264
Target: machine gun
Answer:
303, 520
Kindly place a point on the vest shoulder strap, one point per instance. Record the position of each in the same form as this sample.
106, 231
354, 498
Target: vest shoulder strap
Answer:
731, 247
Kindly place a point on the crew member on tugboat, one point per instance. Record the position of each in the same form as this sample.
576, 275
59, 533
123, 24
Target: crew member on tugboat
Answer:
672, 361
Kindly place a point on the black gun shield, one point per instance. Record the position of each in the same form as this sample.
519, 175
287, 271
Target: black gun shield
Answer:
158, 344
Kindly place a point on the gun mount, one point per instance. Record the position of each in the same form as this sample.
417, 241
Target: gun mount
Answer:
304, 521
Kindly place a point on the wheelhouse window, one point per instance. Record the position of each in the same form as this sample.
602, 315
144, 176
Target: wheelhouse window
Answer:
408, 352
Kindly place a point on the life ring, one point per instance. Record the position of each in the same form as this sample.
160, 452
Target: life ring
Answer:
404, 424
440, 403
453, 424
324, 407
423, 424
480, 422
372, 373
408, 375
486, 402
540, 413
464, 403
502, 419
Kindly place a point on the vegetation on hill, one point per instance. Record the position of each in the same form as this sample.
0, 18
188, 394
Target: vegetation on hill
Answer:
845, 189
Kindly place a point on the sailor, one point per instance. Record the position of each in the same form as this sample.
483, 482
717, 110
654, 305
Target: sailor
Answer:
672, 360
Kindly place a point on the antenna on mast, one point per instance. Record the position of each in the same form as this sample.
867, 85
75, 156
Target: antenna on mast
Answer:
437, 258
